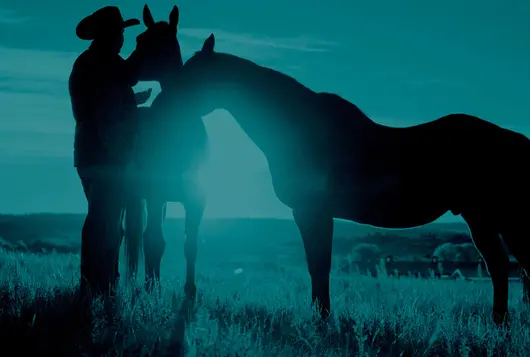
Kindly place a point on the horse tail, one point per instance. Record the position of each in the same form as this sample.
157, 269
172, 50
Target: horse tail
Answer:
133, 235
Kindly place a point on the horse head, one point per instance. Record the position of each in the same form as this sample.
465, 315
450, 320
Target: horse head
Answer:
207, 68
157, 56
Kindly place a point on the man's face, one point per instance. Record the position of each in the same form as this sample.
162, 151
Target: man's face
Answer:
113, 40
119, 40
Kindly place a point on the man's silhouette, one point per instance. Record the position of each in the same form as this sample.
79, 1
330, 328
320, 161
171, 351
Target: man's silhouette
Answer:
104, 108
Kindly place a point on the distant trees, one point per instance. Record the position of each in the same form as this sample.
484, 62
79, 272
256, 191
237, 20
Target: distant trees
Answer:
366, 252
465, 252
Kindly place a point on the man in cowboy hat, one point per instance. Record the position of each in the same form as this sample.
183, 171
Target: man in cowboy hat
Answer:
105, 110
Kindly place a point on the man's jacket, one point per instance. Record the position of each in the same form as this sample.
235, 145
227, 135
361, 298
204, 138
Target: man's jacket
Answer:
104, 109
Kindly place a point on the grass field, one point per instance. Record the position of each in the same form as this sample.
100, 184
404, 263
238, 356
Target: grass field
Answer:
253, 301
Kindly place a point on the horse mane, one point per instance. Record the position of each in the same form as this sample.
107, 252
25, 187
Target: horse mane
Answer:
346, 113
344, 106
340, 103
267, 74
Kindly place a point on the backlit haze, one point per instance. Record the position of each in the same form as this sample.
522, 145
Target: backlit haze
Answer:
403, 62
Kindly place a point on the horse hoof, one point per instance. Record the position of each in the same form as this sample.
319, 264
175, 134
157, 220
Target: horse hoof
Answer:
325, 315
526, 301
322, 306
500, 319
152, 286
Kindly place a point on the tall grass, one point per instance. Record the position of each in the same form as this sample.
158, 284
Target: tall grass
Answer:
251, 312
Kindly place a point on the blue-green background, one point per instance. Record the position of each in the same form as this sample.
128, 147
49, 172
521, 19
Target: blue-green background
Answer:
403, 62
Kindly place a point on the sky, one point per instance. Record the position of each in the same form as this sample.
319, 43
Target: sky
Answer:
402, 62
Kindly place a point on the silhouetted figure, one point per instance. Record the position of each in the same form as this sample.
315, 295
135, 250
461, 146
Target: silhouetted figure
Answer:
104, 108
171, 150
329, 160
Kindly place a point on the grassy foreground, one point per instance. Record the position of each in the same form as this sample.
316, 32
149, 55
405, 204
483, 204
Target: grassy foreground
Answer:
252, 312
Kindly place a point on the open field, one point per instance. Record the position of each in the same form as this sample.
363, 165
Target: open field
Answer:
253, 301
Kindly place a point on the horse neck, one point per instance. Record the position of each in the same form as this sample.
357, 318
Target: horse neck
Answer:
268, 104
168, 84
265, 103
169, 80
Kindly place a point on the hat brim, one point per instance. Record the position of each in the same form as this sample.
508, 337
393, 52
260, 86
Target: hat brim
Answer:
86, 31
130, 22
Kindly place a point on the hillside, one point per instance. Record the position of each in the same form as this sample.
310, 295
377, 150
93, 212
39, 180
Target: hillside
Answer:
62, 232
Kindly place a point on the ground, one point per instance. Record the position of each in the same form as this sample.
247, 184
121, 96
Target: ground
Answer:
253, 301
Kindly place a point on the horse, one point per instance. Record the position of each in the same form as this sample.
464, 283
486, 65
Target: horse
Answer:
170, 153
328, 160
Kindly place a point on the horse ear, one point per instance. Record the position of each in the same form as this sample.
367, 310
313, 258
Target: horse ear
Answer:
209, 44
147, 17
174, 17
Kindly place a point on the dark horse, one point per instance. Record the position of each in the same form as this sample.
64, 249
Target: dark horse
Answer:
170, 154
329, 160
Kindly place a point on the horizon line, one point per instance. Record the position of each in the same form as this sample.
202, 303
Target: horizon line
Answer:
207, 217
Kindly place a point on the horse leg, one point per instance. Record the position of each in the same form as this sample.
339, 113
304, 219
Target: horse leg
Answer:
133, 233
489, 244
154, 243
316, 229
514, 239
194, 207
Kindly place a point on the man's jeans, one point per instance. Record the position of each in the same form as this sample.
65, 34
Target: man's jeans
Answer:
106, 189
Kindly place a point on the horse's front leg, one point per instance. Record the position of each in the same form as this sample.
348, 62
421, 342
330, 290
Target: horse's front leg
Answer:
194, 207
133, 234
316, 229
488, 242
154, 243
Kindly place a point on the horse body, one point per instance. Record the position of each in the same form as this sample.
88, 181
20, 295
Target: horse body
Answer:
328, 160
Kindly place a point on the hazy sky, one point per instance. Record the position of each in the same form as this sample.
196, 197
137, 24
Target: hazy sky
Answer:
403, 62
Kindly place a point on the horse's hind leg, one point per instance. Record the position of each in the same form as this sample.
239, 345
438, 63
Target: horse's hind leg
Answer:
515, 239
133, 233
488, 242
154, 243
316, 229
194, 206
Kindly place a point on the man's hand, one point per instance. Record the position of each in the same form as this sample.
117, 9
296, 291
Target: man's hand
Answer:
142, 97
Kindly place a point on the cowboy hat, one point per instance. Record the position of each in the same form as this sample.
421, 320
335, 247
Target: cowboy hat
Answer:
105, 20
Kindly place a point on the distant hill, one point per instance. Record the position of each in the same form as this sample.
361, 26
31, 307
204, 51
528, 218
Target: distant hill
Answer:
62, 232
65, 226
